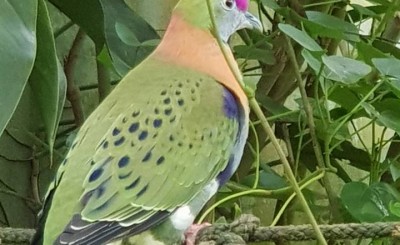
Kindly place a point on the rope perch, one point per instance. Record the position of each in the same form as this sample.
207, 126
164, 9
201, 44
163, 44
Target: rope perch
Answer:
247, 229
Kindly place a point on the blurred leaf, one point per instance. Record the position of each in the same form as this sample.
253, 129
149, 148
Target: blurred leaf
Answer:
313, 59
316, 30
340, 135
345, 70
369, 203
106, 61
366, 52
17, 51
357, 157
381, 2
127, 35
344, 97
253, 53
277, 109
387, 112
394, 208
88, 15
388, 66
300, 36
337, 68
271, 4
365, 11
47, 77
394, 167
331, 26
268, 180
387, 47
394, 86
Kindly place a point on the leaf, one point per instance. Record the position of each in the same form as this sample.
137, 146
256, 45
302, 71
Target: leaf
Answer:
88, 15
394, 167
253, 53
394, 86
348, 30
337, 68
388, 66
127, 35
17, 52
387, 47
394, 208
316, 30
268, 179
271, 4
357, 157
300, 36
385, 3
388, 113
366, 52
344, 97
47, 77
369, 203
365, 11
277, 109
313, 59
360, 13
344, 69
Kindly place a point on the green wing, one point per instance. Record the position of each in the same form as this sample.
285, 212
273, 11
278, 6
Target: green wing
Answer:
154, 144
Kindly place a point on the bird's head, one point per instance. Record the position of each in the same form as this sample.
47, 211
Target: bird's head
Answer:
230, 15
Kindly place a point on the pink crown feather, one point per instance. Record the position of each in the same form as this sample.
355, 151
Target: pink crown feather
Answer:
243, 5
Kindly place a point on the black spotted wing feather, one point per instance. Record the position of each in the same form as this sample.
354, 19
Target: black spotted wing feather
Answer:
153, 144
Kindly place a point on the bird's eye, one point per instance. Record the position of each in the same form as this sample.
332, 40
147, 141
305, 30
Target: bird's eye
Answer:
229, 4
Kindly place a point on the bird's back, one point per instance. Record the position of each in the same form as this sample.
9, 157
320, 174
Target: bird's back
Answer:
172, 109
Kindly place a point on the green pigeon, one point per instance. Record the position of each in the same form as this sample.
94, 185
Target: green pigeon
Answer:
161, 144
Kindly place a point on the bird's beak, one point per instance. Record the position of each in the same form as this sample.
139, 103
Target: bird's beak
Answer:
252, 22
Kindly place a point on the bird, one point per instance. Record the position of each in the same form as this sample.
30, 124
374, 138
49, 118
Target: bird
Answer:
151, 155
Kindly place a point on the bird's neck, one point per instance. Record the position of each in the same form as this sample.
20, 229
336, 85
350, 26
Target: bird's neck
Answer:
197, 49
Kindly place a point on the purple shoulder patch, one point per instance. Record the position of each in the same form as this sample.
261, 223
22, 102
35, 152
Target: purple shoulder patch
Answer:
242, 5
231, 109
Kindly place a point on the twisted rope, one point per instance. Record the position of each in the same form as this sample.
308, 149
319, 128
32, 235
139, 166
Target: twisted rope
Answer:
247, 229
15, 236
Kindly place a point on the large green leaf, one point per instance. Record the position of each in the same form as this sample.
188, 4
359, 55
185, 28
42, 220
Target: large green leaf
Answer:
369, 203
17, 52
345, 70
366, 52
87, 14
337, 68
253, 53
129, 38
331, 24
301, 37
47, 78
388, 66
387, 112
387, 47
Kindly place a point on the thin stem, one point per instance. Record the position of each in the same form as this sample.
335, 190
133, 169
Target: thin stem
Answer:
257, 152
257, 110
307, 106
287, 202
231, 197
354, 110
321, 3
73, 93
357, 132
63, 28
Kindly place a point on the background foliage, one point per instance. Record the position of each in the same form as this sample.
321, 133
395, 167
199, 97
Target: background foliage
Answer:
335, 109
